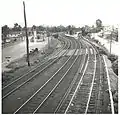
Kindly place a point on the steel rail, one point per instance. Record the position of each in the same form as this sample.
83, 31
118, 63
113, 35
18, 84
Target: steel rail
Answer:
80, 83
45, 83
109, 86
29, 71
91, 83
70, 87
91, 88
59, 82
77, 85
110, 93
33, 76
54, 87
100, 89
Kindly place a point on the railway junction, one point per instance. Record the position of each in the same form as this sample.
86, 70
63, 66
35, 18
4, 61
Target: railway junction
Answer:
73, 79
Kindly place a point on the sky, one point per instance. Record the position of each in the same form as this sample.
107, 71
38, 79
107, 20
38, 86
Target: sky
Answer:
60, 12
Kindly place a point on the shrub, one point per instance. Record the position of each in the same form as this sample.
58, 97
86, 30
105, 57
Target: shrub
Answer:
55, 35
36, 49
115, 66
96, 41
102, 51
112, 57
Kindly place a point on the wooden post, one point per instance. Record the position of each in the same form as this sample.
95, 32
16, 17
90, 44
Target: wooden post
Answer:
27, 41
110, 42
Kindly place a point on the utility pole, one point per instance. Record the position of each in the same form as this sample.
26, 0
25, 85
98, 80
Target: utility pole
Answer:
48, 42
48, 35
27, 41
110, 42
111, 39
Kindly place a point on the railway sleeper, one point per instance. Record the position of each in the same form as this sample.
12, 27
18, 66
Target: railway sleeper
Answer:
91, 108
91, 111
92, 105
92, 101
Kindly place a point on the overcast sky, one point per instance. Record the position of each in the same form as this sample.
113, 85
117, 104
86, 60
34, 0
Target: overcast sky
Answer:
60, 12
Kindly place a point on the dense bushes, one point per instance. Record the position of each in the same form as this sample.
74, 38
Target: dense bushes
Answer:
112, 57
55, 35
115, 66
101, 51
114, 60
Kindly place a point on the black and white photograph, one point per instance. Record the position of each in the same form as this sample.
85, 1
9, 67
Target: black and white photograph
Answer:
60, 56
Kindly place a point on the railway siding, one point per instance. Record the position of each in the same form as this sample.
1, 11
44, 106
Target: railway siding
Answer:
52, 83
79, 102
113, 77
20, 97
79, 81
109, 86
32, 86
98, 91
112, 81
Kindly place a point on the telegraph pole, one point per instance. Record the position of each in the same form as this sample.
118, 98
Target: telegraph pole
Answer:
27, 41
48, 40
111, 39
110, 42
48, 35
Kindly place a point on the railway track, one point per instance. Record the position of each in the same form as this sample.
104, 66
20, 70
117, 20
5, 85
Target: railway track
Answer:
74, 83
63, 107
105, 103
39, 97
57, 51
20, 87
88, 97
58, 47
14, 85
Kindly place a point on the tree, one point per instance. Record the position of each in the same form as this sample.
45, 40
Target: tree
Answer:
5, 32
69, 27
115, 34
99, 26
84, 33
70, 30
115, 66
87, 29
41, 28
34, 27
98, 23
61, 28
17, 27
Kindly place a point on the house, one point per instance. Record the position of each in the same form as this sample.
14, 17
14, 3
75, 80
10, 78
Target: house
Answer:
14, 34
110, 31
